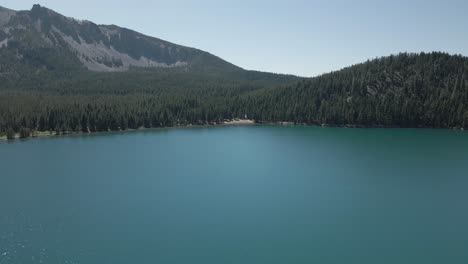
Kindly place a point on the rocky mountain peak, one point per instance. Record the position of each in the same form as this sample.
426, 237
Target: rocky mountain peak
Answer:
99, 48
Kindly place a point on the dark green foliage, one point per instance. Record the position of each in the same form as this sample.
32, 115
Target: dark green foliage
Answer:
408, 90
10, 133
86, 101
45, 87
24, 132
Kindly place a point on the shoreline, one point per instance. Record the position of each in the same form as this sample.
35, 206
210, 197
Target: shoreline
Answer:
53, 134
233, 122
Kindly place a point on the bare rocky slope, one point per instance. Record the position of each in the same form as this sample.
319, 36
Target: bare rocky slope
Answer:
60, 74
37, 35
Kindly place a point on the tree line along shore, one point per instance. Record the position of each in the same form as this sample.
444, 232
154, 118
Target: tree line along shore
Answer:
407, 90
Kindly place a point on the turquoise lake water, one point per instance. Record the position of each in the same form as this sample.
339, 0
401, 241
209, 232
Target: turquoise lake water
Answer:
254, 194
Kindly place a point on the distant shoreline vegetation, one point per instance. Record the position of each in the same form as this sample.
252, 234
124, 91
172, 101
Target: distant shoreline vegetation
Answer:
63, 75
427, 90
27, 134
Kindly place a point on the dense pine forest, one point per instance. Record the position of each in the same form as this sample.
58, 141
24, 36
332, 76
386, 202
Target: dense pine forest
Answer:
407, 90
91, 102
62, 75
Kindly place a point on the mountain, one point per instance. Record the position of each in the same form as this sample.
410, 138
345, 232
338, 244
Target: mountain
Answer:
42, 50
59, 73
45, 39
64, 75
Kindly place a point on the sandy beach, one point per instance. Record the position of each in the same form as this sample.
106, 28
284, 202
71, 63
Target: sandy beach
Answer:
239, 122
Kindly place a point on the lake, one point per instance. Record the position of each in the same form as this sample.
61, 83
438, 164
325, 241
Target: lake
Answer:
241, 194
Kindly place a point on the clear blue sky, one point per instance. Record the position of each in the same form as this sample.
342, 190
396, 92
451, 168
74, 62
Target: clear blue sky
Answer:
300, 37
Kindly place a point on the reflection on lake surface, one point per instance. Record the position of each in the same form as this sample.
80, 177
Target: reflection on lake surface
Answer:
258, 194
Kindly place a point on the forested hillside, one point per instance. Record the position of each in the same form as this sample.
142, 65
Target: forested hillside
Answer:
407, 90
112, 101
63, 75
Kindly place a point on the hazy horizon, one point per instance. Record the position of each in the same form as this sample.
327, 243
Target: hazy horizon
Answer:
305, 38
